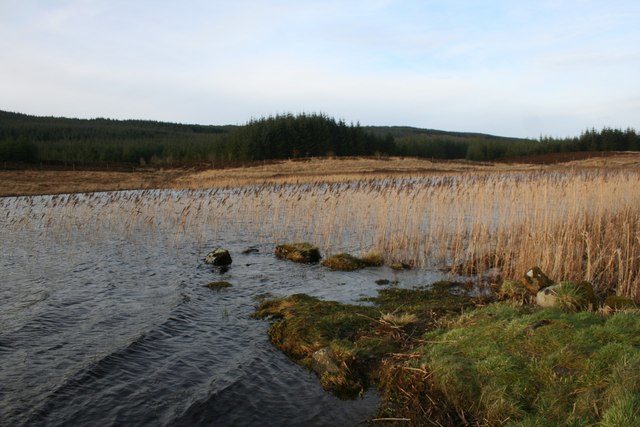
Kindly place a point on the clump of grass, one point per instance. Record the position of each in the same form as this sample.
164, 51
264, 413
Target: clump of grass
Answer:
514, 290
489, 366
399, 320
576, 296
218, 285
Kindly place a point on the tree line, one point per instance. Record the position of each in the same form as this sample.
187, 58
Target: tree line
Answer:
27, 139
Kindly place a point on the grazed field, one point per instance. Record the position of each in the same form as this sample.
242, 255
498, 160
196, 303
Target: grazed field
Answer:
31, 182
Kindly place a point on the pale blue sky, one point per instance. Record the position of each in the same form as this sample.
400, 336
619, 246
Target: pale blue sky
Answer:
519, 68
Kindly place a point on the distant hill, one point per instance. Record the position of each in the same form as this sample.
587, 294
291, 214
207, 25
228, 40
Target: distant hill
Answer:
26, 139
406, 131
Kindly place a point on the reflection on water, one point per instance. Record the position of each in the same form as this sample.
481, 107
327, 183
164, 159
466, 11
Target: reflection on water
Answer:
121, 330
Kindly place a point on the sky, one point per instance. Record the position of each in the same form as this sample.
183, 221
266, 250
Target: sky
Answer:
513, 68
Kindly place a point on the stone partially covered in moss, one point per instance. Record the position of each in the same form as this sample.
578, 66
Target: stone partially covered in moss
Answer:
400, 266
218, 257
619, 303
568, 296
535, 280
298, 252
218, 285
343, 262
373, 259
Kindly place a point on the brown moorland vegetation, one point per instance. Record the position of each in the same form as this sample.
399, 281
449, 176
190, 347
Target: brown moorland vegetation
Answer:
35, 181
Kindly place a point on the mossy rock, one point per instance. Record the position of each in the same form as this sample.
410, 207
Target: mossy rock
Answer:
535, 280
218, 285
343, 262
373, 259
298, 252
218, 257
513, 289
400, 266
620, 303
568, 296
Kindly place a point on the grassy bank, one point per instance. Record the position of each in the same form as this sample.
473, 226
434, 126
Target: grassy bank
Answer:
440, 357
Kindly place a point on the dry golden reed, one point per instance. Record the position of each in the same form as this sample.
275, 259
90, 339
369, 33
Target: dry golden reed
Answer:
575, 224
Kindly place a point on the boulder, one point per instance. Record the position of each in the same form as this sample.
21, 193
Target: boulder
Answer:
535, 280
218, 257
547, 297
322, 362
619, 303
298, 252
344, 262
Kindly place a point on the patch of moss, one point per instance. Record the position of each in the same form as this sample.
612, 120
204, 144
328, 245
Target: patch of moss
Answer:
343, 262
488, 366
513, 289
373, 259
218, 285
298, 252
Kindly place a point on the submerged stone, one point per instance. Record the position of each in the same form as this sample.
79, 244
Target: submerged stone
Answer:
298, 252
218, 257
400, 266
218, 285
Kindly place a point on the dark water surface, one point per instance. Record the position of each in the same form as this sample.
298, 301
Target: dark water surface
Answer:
104, 330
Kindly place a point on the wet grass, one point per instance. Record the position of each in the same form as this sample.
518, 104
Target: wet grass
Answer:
518, 364
441, 357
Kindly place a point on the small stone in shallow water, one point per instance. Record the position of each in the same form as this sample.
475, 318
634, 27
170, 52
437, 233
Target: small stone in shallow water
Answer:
218, 257
218, 285
382, 282
298, 252
251, 250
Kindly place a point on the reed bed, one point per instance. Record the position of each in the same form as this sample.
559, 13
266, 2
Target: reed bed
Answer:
574, 224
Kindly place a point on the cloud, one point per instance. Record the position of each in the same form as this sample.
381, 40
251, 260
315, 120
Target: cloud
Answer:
519, 69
